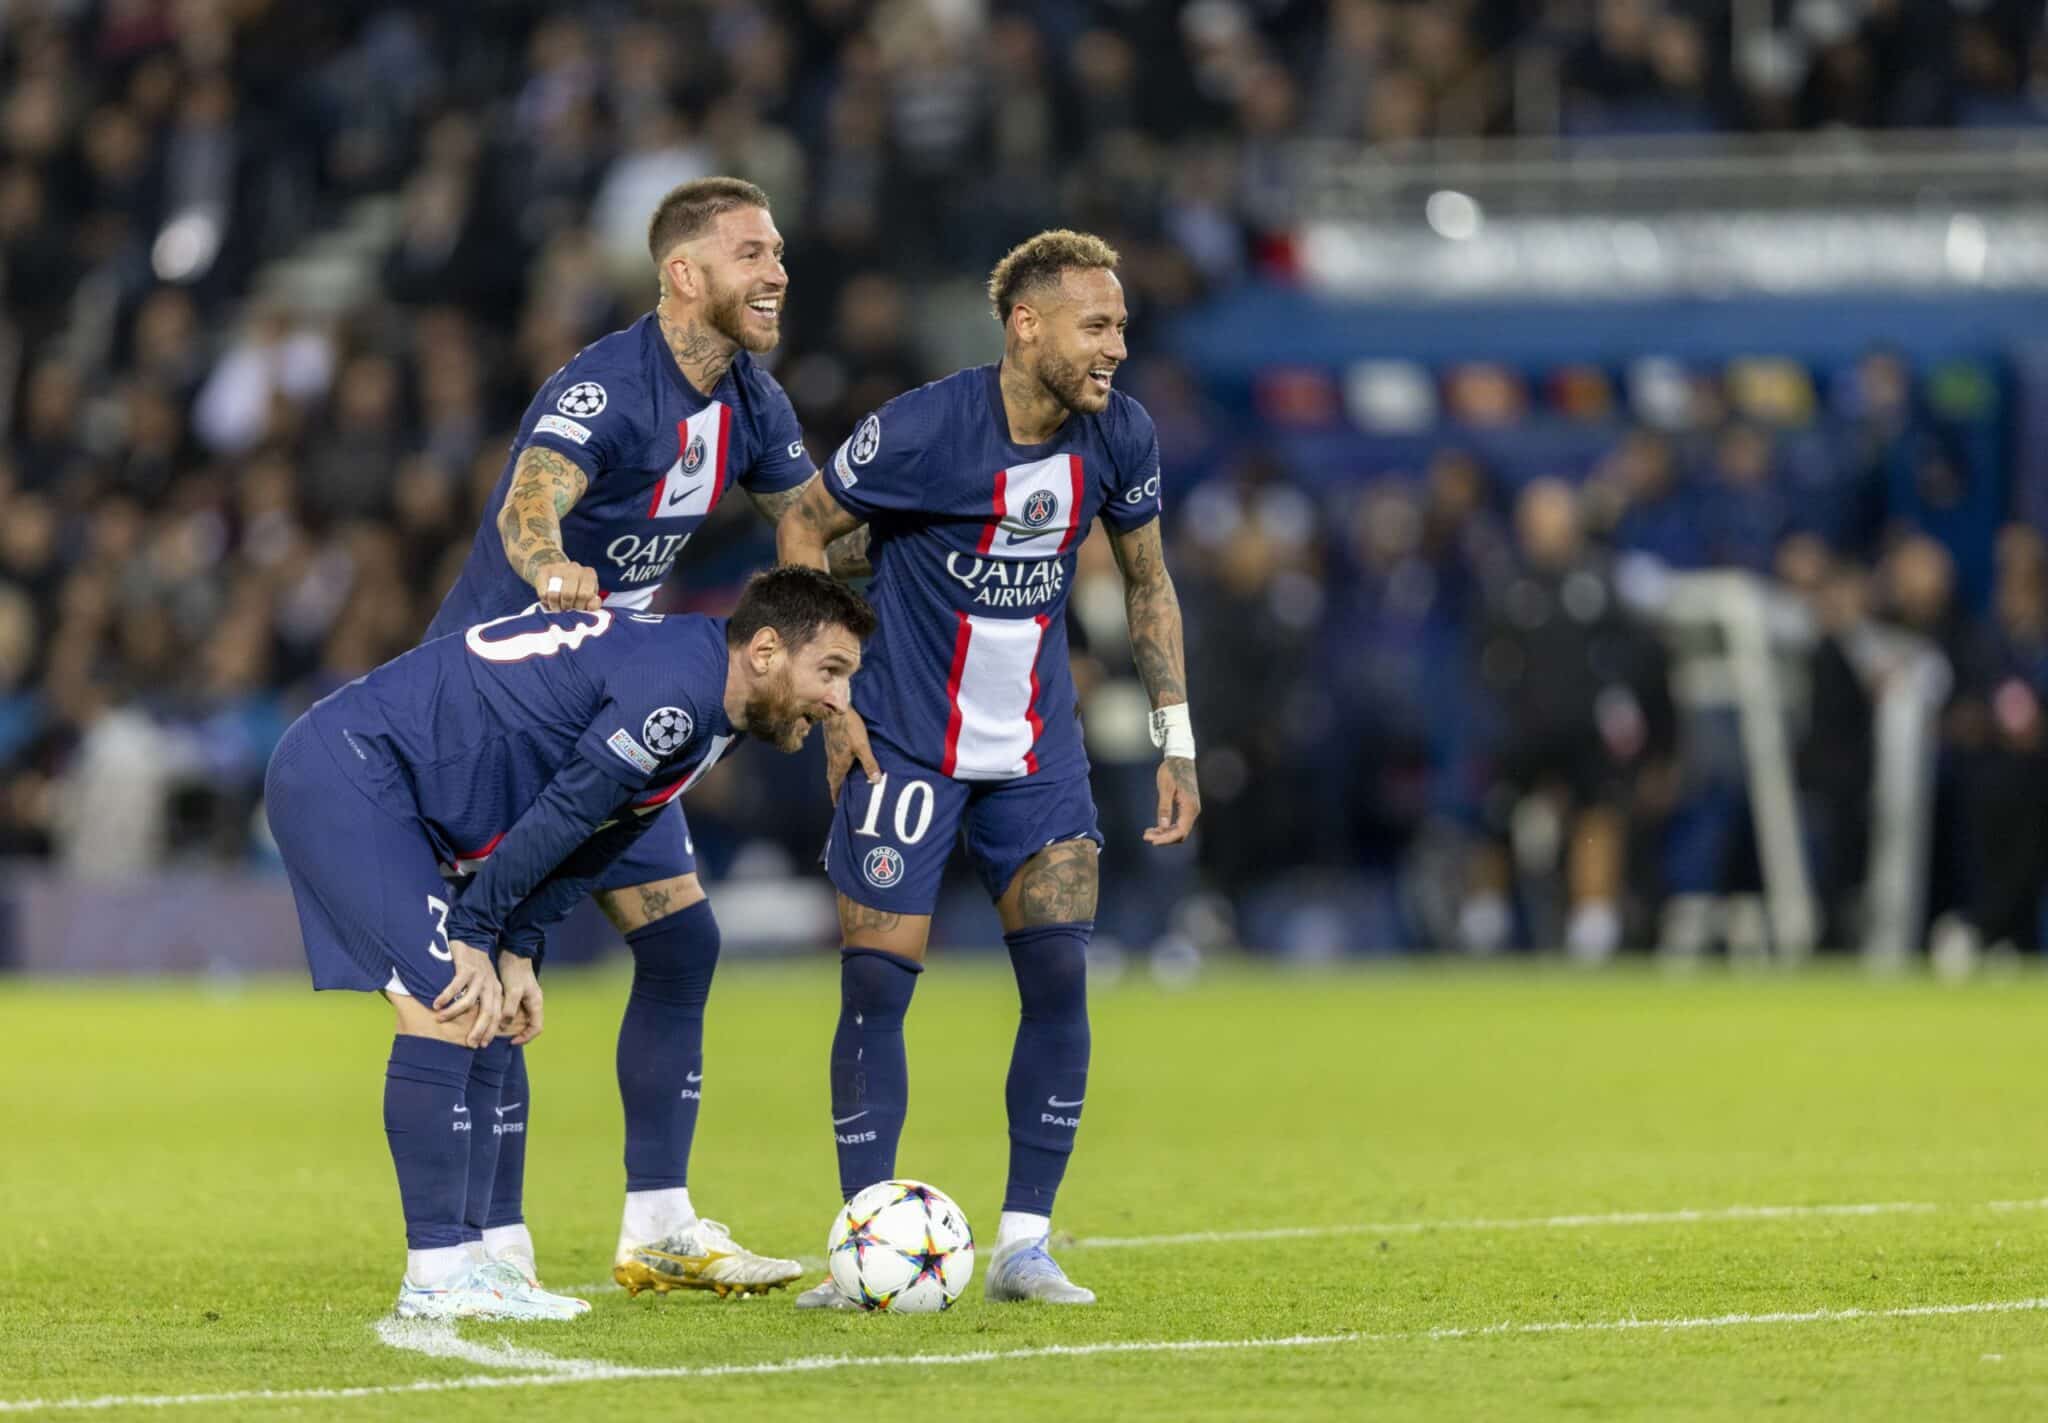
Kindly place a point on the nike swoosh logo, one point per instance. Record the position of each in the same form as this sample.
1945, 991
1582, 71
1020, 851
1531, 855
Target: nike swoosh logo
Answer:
1056, 1102
462, 1111
842, 1121
676, 499
513, 1108
693, 1077
1028, 534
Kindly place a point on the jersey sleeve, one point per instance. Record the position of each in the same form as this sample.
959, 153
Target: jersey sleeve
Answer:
590, 416
648, 716
880, 467
1134, 499
783, 462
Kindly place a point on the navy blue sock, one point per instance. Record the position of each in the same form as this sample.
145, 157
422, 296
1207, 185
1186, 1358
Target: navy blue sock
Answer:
661, 1044
486, 1092
870, 1075
1049, 1066
426, 1120
508, 1184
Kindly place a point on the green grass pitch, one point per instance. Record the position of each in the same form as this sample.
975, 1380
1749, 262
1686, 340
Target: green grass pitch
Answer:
1482, 1172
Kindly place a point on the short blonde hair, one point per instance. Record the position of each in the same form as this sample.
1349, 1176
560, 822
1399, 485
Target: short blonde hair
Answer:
1040, 262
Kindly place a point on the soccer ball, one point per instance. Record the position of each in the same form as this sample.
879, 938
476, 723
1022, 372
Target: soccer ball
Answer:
901, 1246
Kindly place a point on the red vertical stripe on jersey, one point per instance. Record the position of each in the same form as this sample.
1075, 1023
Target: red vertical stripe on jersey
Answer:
960, 641
988, 535
682, 443
1073, 511
1031, 707
718, 472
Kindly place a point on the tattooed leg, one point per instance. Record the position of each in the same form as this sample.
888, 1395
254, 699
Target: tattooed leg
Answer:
1056, 886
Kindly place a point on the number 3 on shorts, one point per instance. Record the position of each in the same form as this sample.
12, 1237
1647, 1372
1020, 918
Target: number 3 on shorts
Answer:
914, 802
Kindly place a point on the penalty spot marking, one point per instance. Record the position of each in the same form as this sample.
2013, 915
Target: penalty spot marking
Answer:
441, 1341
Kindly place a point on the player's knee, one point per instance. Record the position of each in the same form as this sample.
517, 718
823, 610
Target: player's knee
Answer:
1056, 886
675, 956
637, 906
416, 1020
877, 985
1051, 965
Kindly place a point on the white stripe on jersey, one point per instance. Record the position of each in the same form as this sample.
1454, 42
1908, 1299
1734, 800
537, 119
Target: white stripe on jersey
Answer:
993, 725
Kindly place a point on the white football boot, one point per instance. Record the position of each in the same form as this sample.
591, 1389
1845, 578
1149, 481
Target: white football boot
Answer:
826, 1295
700, 1256
1022, 1270
496, 1290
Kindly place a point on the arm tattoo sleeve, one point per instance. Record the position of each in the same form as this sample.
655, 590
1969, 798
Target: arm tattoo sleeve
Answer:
806, 532
545, 486
848, 555
1153, 609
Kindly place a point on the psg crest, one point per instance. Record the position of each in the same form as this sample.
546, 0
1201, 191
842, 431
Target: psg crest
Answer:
883, 866
693, 457
666, 729
1040, 508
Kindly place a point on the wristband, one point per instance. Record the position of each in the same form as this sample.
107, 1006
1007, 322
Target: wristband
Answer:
1172, 732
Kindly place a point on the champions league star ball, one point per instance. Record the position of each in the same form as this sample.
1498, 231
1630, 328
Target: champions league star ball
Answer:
901, 1246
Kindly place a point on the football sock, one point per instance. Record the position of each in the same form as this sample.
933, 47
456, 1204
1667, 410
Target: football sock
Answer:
1022, 1225
1049, 1065
502, 1241
426, 1121
515, 1111
870, 1075
651, 1215
487, 1066
661, 1044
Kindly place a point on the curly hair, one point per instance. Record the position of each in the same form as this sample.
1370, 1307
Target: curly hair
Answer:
1039, 262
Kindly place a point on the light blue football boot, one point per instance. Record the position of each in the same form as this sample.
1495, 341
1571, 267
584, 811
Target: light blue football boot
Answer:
1023, 1270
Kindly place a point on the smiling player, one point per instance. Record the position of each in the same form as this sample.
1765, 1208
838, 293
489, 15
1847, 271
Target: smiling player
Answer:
620, 458
977, 490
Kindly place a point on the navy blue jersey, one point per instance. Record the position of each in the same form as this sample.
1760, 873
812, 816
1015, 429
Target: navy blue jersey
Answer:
973, 546
659, 455
466, 732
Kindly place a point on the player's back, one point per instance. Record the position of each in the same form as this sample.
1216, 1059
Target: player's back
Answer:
466, 730
974, 540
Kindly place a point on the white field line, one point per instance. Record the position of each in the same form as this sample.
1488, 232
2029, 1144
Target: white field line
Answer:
437, 1341
1549, 1222
1583, 1221
562, 1372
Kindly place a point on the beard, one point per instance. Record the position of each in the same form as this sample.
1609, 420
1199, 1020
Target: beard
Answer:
725, 309
1068, 381
776, 721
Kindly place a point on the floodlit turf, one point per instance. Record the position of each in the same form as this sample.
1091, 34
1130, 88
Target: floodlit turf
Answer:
195, 1200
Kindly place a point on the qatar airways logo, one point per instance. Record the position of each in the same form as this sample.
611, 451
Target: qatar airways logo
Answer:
644, 560
1008, 582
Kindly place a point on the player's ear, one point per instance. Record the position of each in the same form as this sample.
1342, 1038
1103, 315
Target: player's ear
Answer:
761, 649
1025, 322
682, 277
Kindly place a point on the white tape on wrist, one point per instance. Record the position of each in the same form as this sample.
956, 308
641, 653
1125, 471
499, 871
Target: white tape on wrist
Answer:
1172, 732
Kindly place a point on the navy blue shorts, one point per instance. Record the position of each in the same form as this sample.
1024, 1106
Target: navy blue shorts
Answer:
373, 907
890, 840
662, 851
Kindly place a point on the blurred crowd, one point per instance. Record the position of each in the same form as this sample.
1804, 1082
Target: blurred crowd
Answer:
224, 499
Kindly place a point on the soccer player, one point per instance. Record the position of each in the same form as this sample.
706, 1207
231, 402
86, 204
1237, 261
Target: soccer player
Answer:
537, 749
621, 456
977, 489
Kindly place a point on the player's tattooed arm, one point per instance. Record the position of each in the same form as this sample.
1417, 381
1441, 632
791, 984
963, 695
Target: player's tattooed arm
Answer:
545, 487
810, 526
848, 554
1153, 609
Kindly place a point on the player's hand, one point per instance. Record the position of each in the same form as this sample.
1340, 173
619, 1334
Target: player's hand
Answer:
1180, 801
474, 989
846, 741
520, 1017
566, 587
